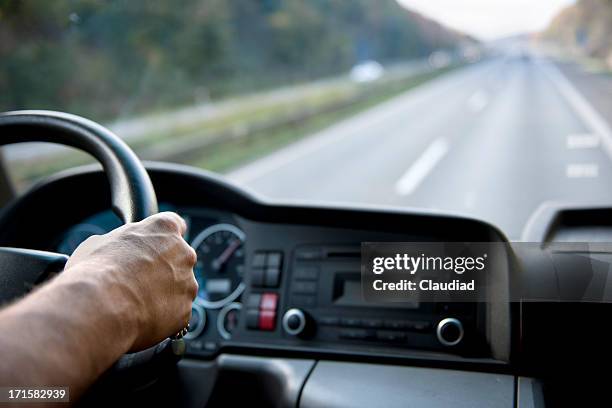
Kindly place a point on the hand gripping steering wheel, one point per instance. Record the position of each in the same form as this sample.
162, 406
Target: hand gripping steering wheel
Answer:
132, 196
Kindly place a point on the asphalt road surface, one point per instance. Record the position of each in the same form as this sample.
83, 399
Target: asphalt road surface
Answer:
493, 140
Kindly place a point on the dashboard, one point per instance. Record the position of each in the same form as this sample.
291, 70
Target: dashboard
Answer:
270, 286
279, 294
285, 278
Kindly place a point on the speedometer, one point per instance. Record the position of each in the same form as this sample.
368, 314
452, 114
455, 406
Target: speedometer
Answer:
220, 266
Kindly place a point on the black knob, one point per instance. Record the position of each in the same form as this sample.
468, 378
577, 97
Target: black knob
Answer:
450, 331
294, 322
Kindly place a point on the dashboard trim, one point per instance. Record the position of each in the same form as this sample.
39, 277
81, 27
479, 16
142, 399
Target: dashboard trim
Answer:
211, 191
257, 208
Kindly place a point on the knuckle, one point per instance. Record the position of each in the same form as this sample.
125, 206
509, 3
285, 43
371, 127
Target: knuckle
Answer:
192, 257
167, 222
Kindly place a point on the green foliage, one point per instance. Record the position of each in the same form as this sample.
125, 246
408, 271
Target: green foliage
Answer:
105, 59
584, 28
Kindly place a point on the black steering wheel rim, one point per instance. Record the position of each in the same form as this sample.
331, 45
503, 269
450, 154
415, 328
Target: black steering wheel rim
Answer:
132, 194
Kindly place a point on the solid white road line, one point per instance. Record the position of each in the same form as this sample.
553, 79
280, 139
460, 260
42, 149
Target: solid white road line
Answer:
582, 141
592, 119
582, 170
413, 177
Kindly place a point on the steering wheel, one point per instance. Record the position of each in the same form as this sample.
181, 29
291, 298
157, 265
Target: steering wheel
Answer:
132, 196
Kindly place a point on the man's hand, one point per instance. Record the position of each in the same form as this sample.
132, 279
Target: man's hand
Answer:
147, 266
120, 292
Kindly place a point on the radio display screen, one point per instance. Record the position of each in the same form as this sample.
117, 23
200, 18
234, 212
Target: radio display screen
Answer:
347, 292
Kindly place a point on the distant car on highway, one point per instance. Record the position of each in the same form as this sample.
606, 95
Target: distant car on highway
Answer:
439, 59
367, 71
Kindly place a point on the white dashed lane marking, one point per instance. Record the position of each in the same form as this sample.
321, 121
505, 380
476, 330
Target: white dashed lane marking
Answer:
478, 101
582, 141
416, 173
582, 170
596, 124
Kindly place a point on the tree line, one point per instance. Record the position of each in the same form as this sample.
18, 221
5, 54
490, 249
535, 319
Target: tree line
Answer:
107, 59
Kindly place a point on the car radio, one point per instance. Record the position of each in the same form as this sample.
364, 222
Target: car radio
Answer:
311, 298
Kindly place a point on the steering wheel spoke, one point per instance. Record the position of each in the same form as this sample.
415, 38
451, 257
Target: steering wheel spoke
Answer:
22, 269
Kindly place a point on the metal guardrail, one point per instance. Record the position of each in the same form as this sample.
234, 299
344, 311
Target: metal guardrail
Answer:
178, 150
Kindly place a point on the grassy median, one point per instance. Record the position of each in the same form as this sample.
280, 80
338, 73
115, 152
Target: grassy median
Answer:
245, 131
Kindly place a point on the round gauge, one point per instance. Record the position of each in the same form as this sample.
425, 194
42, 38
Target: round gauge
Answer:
227, 321
197, 322
220, 266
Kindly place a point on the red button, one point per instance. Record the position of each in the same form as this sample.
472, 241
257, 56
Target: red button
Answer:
267, 319
268, 302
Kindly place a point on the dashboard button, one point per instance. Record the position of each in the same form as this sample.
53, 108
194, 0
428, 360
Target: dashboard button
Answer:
267, 320
307, 288
253, 301
272, 277
257, 276
259, 260
275, 260
306, 273
268, 302
252, 319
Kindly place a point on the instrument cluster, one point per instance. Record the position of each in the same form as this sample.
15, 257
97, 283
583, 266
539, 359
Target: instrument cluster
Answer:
219, 271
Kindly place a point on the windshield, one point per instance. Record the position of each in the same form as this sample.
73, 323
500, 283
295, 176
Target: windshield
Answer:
479, 107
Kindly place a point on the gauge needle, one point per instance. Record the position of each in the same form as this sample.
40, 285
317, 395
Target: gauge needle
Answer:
222, 259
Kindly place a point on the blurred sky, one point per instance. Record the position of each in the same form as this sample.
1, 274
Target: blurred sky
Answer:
490, 19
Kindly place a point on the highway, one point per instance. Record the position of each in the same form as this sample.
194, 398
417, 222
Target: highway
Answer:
493, 140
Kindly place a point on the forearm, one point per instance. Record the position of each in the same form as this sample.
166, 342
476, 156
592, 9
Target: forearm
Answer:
66, 333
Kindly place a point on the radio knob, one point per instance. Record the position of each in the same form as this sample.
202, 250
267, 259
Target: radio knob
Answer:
450, 331
294, 322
